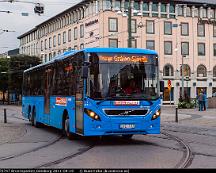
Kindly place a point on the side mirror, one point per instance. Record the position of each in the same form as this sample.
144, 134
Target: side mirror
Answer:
85, 72
161, 86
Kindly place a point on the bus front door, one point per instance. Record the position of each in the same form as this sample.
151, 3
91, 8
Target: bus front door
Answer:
47, 97
79, 108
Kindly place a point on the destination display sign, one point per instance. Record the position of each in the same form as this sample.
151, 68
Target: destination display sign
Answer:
129, 103
124, 58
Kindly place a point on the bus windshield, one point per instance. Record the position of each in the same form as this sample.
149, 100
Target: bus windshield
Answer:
122, 76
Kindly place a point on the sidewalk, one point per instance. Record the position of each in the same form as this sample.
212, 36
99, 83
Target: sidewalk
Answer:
11, 130
189, 116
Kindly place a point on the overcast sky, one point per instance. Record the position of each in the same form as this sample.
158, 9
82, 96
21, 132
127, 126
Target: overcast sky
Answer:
20, 24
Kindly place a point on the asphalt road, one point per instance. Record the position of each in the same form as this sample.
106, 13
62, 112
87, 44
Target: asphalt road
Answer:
31, 147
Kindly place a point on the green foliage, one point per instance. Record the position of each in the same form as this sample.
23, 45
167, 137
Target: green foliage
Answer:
17, 66
4, 66
186, 104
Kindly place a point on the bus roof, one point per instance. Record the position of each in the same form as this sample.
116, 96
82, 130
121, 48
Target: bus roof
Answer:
96, 50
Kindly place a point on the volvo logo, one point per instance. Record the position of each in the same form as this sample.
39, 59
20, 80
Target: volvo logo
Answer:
125, 112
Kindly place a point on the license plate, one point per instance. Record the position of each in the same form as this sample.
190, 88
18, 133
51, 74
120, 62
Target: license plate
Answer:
127, 126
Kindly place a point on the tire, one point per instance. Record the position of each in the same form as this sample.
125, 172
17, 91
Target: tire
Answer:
66, 128
34, 120
127, 136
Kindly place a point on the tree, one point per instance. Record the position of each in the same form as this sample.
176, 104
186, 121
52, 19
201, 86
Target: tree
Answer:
17, 65
4, 66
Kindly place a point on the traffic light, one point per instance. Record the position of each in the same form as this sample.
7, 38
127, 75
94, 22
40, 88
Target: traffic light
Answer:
39, 8
169, 85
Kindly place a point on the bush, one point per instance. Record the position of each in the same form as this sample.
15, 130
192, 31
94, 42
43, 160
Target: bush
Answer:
186, 103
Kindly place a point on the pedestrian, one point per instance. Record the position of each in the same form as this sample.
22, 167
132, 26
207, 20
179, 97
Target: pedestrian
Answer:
200, 101
204, 101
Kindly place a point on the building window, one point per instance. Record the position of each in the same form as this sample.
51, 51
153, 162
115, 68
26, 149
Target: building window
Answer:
150, 44
41, 45
81, 46
201, 49
75, 47
204, 13
59, 39
184, 29
136, 6
186, 70
168, 70
133, 26
163, 10
50, 42
134, 43
168, 48
64, 37
150, 27
154, 9
81, 31
50, 56
108, 4
69, 35
45, 44
185, 48
113, 25
180, 10
188, 12
214, 30
214, 49
172, 10
196, 12
201, 71
117, 5
201, 30
168, 28
145, 9
75, 33
113, 43
54, 41
214, 71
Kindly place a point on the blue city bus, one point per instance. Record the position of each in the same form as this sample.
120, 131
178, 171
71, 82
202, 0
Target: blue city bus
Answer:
96, 92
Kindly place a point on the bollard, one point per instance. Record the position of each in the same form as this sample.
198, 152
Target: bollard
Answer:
176, 115
5, 116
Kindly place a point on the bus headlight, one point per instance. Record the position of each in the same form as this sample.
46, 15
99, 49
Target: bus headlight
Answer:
156, 115
92, 114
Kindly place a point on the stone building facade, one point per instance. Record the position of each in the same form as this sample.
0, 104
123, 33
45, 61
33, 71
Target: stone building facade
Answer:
182, 32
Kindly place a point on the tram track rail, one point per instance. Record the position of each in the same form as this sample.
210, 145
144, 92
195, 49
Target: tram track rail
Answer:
187, 157
184, 162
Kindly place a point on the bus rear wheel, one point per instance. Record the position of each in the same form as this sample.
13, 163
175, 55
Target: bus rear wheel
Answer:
66, 128
127, 136
33, 119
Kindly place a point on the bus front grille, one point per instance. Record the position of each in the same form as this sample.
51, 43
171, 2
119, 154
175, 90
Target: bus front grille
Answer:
125, 112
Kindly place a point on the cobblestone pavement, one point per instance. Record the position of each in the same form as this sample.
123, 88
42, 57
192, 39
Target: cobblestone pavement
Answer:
189, 116
11, 130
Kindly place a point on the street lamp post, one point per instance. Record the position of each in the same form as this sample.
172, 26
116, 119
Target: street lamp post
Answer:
129, 25
182, 79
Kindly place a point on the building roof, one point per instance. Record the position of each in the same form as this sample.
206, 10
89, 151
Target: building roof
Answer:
28, 32
213, 2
